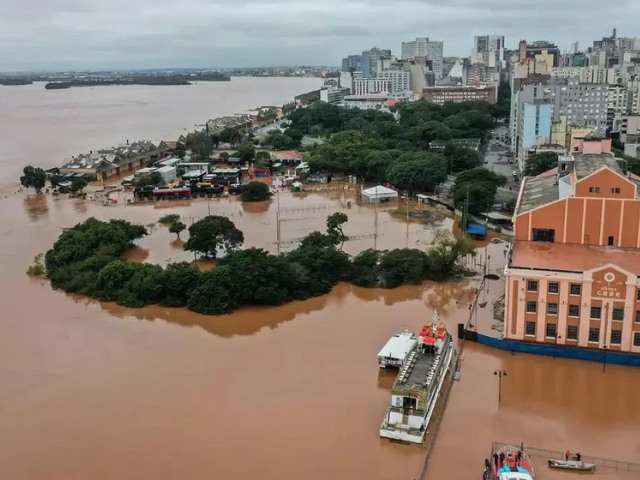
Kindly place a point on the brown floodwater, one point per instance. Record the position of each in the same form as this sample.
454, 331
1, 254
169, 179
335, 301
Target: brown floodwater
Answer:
93, 390
42, 127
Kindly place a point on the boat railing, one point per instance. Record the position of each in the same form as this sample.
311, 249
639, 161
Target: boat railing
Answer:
621, 465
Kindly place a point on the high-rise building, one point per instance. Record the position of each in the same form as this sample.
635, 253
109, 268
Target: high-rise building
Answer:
489, 49
423, 47
399, 81
365, 86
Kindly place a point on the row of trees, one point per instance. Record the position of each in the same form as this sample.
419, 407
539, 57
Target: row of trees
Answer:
376, 147
86, 259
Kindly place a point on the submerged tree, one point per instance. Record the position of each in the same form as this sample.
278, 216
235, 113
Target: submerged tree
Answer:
334, 227
177, 227
33, 177
212, 233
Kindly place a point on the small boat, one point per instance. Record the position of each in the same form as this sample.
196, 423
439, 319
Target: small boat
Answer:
571, 464
515, 466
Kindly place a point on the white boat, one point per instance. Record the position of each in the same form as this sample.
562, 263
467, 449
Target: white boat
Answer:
397, 349
512, 464
571, 464
417, 387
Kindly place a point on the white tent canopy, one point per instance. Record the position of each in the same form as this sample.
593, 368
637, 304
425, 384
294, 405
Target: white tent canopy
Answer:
379, 194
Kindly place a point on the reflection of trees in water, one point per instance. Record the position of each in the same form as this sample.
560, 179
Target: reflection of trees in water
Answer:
257, 207
245, 321
36, 206
449, 296
389, 296
178, 244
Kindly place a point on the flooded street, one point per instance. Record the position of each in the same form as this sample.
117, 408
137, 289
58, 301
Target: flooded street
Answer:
98, 391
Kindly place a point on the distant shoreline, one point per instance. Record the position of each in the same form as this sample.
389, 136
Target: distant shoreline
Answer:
169, 80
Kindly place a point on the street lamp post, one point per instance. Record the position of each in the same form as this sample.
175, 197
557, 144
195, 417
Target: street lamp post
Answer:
500, 374
604, 363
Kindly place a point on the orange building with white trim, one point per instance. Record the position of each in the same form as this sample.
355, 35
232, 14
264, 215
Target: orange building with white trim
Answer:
573, 273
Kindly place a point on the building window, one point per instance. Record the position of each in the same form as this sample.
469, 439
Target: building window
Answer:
636, 339
551, 330
574, 310
531, 307
594, 189
531, 328
615, 190
618, 314
552, 308
532, 286
596, 312
611, 241
638, 295
543, 235
637, 316
594, 335
553, 287
616, 337
572, 332
575, 290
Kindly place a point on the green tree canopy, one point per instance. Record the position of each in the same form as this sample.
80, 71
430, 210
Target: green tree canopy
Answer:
177, 228
255, 192
78, 184
335, 222
246, 151
213, 233
230, 136
540, 162
418, 172
446, 251
33, 177
481, 184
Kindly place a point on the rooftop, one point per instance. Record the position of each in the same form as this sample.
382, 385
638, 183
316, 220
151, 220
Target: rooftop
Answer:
545, 188
588, 163
571, 257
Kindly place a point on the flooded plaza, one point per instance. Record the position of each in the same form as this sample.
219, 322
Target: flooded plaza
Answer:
99, 391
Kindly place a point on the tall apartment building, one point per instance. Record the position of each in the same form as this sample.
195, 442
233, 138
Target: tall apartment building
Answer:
534, 128
399, 81
489, 49
365, 86
585, 104
333, 95
540, 51
573, 273
589, 74
423, 47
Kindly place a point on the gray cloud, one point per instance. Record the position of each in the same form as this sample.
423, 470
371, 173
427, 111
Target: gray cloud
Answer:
66, 34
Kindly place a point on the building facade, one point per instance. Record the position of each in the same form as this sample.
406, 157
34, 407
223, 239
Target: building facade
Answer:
365, 86
573, 272
399, 81
443, 94
430, 49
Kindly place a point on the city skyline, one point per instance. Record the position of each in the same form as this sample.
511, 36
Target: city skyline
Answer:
74, 34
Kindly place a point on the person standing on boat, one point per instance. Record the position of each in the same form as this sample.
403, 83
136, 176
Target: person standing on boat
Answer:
518, 457
495, 459
567, 455
501, 458
578, 456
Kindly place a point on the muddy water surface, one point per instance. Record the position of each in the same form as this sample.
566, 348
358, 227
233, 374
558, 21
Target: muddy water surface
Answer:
97, 391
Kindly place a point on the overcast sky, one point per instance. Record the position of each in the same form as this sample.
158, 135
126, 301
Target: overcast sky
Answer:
94, 34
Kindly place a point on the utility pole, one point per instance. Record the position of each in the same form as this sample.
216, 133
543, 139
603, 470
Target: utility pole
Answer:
375, 228
278, 219
500, 374
407, 219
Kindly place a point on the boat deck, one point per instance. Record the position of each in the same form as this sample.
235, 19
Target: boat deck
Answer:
419, 370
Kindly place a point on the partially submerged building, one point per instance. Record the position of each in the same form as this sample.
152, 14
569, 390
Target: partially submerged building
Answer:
573, 272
